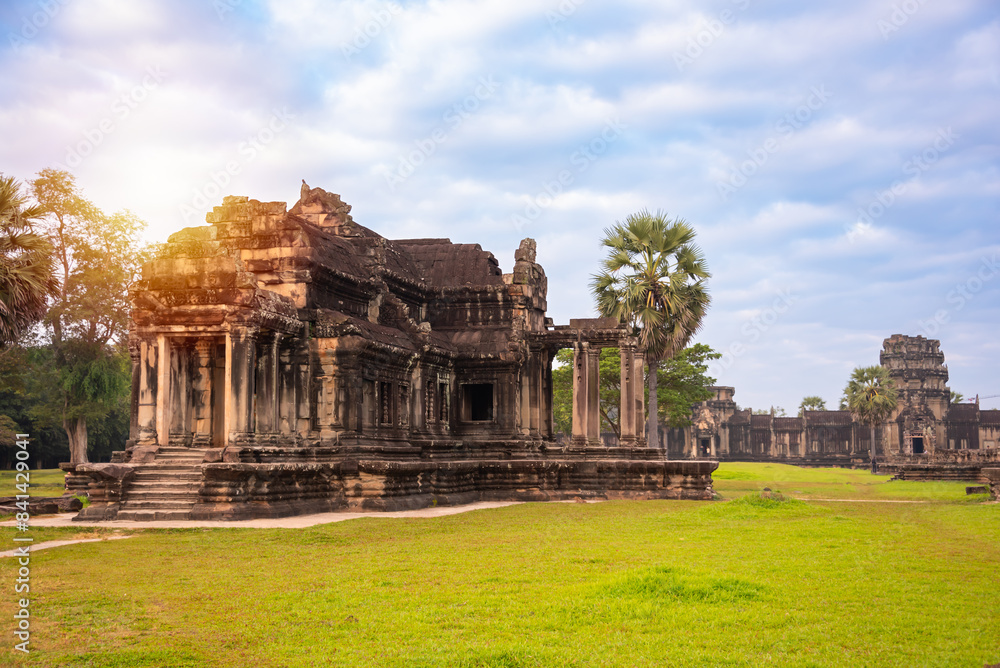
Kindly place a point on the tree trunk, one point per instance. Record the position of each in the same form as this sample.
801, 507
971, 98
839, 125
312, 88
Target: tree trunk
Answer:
76, 430
873, 453
654, 425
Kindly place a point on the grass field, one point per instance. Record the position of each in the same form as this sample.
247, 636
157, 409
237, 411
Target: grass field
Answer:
45, 482
746, 581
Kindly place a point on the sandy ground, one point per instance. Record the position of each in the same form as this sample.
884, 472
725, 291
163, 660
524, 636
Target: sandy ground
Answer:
56, 543
295, 522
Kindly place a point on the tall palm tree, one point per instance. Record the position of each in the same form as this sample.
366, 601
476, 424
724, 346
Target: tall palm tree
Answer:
653, 280
26, 264
871, 397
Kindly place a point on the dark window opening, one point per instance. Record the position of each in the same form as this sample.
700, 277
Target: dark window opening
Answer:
918, 445
477, 402
404, 404
368, 403
706, 447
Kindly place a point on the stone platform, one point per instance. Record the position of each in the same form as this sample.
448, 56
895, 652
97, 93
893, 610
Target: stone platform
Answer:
167, 488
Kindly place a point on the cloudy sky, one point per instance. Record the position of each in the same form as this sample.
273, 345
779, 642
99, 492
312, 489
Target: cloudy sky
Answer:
839, 160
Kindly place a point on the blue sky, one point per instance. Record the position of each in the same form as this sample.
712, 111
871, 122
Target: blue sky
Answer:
839, 160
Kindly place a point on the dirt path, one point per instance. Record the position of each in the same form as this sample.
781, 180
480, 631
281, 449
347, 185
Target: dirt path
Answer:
295, 522
58, 543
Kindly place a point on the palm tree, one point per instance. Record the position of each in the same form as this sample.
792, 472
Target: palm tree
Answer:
871, 397
26, 264
653, 280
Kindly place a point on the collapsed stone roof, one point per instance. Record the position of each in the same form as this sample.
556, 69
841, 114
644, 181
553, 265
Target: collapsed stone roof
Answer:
257, 262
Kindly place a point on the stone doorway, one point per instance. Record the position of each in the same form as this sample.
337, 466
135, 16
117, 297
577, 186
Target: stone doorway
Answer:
918, 445
704, 447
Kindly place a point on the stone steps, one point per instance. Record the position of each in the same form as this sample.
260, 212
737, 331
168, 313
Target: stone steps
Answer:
164, 489
154, 515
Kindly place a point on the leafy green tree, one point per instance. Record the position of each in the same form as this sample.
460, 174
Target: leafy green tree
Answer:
811, 403
97, 256
778, 411
27, 276
957, 397
682, 382
653, 280
23, 391
871, 397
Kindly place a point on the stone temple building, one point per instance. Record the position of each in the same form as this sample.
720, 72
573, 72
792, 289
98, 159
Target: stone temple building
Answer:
292, 361
926, 428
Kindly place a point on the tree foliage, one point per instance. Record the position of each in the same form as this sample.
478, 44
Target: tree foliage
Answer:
78, 373
871, 397
811, 403
27, 277
654, 281
682, 382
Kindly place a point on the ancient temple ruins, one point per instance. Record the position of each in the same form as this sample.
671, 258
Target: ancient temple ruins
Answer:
291, 361
926, 427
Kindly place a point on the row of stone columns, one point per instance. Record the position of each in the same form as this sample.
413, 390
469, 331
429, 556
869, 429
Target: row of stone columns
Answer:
536, 396
587, 395
183, 388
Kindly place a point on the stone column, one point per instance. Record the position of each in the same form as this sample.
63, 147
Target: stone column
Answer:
133, 419
549, 421
163, 385
535, 393
266, 384
201, 391
240, 359
581, 372
594, 396
286, 392
179, 403
306, 398
626, 418
148, 383
524, 404
639, 395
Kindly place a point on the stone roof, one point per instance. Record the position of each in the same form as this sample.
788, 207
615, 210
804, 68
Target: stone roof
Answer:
990, 417
788, 423
963, 412
829, 418
444, 264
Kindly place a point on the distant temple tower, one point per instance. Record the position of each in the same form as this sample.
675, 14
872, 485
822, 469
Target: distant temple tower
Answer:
916, 366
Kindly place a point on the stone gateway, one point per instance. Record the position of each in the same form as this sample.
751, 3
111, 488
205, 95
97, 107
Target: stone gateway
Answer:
294, 361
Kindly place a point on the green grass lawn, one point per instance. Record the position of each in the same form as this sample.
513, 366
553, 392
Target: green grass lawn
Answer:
41, 482
741, 582
737, 478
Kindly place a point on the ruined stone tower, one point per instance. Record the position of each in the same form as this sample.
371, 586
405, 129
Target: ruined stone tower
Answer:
916, 366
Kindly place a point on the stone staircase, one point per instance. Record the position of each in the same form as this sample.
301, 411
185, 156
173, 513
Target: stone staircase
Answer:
165, 489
